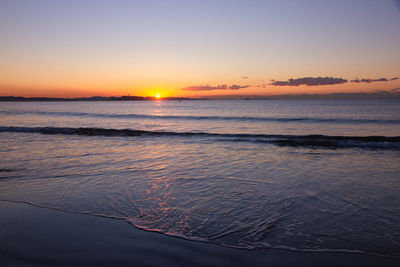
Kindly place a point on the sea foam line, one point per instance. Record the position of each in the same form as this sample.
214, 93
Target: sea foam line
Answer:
199, 239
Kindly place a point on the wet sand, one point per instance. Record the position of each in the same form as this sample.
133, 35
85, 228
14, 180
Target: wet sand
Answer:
32, 235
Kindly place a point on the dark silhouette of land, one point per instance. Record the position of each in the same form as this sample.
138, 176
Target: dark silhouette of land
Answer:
93, 98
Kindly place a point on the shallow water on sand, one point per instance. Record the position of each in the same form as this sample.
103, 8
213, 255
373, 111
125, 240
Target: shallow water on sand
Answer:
233, 184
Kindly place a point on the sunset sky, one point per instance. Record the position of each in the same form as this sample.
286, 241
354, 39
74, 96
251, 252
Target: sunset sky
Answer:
193, 48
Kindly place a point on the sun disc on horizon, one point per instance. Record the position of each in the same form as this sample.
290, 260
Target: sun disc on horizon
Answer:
158, 96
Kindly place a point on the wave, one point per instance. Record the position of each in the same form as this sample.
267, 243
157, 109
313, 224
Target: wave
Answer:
213, 118
324, 141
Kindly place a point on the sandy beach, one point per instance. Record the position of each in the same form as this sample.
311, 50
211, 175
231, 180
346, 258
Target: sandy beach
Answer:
32, 235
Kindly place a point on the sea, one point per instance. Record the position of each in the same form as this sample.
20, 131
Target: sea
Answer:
302, 175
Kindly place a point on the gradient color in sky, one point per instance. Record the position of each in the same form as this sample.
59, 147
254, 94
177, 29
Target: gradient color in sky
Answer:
91, 47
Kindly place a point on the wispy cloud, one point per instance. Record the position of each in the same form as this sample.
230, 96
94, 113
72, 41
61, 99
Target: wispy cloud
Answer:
218, 87
244, 77
309, 81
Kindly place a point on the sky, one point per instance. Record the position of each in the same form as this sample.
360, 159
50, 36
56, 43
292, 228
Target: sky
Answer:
190, 48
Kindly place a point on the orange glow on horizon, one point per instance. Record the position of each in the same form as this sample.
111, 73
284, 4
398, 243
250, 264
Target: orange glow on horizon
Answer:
164, 90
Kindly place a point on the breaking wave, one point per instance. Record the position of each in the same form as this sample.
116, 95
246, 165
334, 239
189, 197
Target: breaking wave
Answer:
323, 141
213, 118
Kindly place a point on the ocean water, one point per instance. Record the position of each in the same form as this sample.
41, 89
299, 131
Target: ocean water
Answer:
317, 175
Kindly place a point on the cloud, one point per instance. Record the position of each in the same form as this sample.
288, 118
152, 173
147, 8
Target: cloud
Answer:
218, 87
369, 80
309, 81
377, 94
205, 87
236, 87
373, 80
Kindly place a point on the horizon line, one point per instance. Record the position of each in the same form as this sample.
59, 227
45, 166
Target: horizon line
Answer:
377, 94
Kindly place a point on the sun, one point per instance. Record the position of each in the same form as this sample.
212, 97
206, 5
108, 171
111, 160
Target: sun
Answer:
158, 96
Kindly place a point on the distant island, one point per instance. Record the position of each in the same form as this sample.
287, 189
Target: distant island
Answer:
93, 98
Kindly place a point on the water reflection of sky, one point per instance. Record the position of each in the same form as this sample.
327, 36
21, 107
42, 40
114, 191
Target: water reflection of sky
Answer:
239, 194
49, 114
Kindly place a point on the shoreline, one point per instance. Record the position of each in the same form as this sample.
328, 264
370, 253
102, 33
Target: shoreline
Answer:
32, 235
